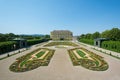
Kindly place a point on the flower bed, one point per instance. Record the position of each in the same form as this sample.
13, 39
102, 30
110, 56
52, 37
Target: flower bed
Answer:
90, 61
32, 60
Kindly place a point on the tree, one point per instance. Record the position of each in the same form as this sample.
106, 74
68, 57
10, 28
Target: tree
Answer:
88, 36
47, 36
96, 35
9, 36
114, 34
82, 36
105, 34
6, 37
2, 37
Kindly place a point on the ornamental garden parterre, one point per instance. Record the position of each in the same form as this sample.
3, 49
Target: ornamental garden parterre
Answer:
42, 56
30, 61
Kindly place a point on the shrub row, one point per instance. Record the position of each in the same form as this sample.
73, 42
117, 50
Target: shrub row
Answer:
36, 41
7, 46
88, 41
111, 45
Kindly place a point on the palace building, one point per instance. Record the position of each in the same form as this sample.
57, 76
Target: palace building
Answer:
61, 35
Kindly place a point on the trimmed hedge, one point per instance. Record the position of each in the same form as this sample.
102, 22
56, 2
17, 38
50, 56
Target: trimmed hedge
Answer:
36, 41
88, 41
6, 46
111, 45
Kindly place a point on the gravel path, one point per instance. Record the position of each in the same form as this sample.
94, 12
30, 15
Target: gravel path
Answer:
61, 68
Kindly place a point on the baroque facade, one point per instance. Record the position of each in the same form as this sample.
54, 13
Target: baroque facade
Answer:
61, 35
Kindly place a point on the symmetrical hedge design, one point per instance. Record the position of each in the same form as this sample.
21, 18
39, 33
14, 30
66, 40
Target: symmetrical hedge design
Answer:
88, 59
32, 60
61, 43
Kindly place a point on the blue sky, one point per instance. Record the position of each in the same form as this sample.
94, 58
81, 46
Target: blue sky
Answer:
43, 16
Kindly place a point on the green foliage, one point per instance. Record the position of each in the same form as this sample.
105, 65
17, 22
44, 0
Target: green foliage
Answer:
47, 36
33, 41
88, 41
36, 41
11, 36
111, 45
114, 34
82, 36
6, 46
88, 36
96, 35
23, 63
95, 62
81, 53
40, 54
7, 37
105, 34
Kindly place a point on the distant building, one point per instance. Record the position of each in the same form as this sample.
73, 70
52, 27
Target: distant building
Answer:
98, 41
21, 42
61, 35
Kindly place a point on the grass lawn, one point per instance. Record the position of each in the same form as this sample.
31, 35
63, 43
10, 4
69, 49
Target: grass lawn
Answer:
82, 54
37, 55
96, 61
40, 54
22, 63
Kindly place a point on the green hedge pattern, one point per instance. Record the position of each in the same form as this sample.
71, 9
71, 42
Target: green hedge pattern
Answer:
97, 63
23, 63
